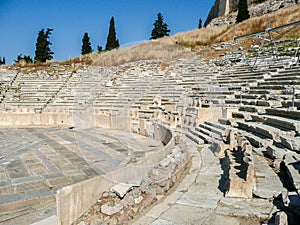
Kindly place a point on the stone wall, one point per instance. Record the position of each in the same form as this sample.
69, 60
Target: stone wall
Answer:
217, 10
28, 117
222, 8
74, 200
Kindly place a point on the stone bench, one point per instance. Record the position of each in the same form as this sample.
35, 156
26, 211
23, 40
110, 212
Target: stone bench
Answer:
264, 130
293, 114
279, 82
278, 121
239, 169
292, 163
267, 183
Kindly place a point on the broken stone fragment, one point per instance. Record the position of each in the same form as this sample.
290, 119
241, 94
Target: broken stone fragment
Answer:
111, 210
292, 143
165, 162
281, 218
275, 152
138, 199
121, 189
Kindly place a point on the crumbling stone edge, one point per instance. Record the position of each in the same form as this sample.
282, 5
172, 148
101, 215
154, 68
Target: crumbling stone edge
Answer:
113, 207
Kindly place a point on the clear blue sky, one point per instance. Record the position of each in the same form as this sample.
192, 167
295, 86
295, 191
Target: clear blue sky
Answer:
22, 19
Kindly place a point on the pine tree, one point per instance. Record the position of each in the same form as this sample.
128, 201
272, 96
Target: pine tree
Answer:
160, 28
243, 13
43, 51
200, 24
112, 42
86, 45
25, 58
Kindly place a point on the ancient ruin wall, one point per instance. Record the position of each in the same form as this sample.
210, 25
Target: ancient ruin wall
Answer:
221, 8
73, 200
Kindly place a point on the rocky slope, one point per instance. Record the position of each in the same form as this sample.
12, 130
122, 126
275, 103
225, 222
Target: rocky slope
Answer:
222, 12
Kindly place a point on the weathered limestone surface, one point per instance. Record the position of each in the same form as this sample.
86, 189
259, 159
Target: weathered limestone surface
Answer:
292, 163
292, 143
267, 183
239, 170
182, 95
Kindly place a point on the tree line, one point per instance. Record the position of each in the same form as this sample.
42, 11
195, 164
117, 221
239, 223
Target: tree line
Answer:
44, 53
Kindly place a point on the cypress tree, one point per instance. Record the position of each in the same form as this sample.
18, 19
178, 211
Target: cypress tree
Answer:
2, 61
112, 42
243, 12
43, 51
160, 28
86, 45
200, 24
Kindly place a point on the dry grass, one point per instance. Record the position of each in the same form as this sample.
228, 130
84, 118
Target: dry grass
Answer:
257, 24
50, 66
157, 49
198, 40
204, 36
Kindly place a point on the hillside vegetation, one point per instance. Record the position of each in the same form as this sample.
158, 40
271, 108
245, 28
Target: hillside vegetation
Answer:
181, 44
187, 44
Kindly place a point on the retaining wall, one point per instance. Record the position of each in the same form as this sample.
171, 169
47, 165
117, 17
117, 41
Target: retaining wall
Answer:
72, 201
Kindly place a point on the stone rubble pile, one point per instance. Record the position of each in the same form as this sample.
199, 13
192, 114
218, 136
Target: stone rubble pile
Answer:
113, 208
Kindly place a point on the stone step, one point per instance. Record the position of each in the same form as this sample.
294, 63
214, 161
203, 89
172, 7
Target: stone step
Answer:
288, 103
276, 152
264, 130
292, 143
245, 208
256, 140
280, 82
194, 138
293, 114
255, 91
239, 169
238, 102
283, 77
217, 125
256, 109
267, 183
270, 86
277, 121
214, 131
247, 116
224, 121
247, 96
202, 133
292, 164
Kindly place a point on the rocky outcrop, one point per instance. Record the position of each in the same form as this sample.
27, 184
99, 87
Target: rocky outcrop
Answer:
222, 11
221, 8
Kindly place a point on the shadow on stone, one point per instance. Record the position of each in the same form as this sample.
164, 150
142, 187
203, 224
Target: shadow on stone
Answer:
222, 180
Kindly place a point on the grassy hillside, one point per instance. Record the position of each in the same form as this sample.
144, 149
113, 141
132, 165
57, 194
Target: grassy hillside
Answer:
199, 41
187, 44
